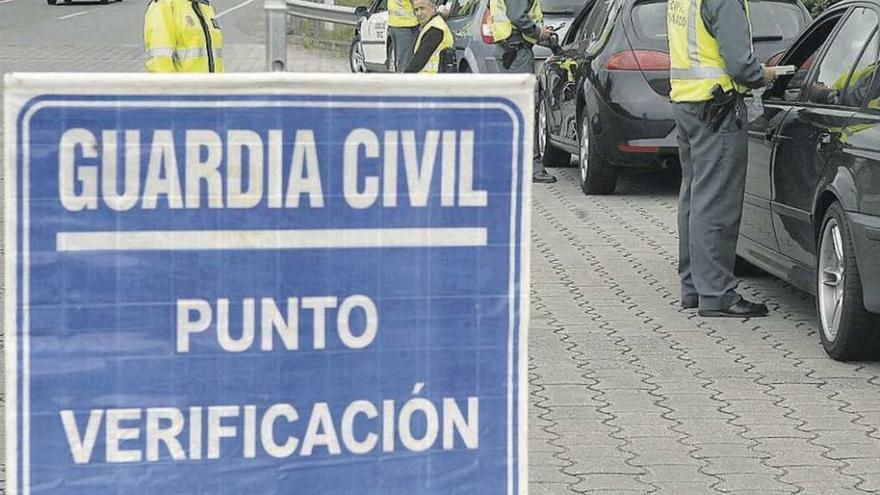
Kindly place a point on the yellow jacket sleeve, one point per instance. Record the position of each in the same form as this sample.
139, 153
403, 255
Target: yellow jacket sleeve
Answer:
159, 36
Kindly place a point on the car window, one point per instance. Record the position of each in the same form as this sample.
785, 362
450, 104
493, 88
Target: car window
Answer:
859, 84
776, 21
802, 55
560, 7
771, 21
464, 8
593, 25
382, 6
833, 70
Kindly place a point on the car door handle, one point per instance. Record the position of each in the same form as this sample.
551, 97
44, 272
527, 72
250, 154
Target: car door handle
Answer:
824, 141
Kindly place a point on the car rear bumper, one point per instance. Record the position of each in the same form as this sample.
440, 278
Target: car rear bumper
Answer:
866, 238
636, 123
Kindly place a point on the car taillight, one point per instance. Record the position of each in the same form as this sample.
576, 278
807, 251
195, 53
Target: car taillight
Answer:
774, 60
638, 60
486, 28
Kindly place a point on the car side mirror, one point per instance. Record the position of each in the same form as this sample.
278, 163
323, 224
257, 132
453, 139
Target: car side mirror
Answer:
361, 11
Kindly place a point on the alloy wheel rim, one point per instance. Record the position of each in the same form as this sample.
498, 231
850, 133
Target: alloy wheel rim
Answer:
357, 58
831, 276
542, 128
584, 151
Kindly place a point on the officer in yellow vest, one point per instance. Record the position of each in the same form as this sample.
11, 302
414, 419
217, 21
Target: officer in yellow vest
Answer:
711, 53
516, 26
182, 36
403, 26
434, 37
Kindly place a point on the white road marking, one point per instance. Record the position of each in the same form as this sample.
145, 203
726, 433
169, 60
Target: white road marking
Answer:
74, 15
233, 9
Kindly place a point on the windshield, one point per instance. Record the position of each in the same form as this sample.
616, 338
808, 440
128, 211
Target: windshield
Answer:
570, 7
771, 21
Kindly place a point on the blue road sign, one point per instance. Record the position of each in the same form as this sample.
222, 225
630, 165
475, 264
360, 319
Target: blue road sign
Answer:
255, 291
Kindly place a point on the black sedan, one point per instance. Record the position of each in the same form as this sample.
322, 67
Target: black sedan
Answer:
812, 208
605, 96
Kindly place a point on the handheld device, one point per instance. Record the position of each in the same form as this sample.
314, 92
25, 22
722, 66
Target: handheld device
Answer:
785, 70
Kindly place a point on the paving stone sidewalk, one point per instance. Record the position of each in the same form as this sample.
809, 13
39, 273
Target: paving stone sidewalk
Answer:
631, 394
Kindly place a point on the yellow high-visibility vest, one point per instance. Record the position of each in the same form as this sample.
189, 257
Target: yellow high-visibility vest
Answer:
502, 28
182, 36
401, 14
433, 65
696, 65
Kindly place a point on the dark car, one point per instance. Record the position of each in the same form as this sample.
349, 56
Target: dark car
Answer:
812, 203
605, 96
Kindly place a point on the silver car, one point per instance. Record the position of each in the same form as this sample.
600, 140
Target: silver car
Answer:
470, 23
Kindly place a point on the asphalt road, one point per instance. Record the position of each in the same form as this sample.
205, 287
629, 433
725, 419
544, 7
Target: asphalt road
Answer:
93, 25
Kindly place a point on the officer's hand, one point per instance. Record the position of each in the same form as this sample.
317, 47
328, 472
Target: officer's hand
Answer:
769, 75
546, 34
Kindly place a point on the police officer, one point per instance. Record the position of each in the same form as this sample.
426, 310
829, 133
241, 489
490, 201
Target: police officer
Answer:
712, 65
182, 36
516, 26
403, 27
434, 37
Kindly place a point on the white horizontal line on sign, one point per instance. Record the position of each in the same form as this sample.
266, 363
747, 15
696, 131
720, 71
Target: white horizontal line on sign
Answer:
197, 240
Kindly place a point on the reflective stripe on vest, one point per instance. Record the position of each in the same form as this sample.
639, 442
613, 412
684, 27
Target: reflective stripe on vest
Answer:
433, 65
696, 61
401, 14
502, 28
182, 36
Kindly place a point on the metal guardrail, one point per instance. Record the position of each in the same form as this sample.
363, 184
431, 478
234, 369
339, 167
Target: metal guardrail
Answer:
320, 12
277, 12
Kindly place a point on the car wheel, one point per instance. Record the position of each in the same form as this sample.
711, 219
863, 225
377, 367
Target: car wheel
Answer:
550, 155
596, 175
391, 58
356, 56
51, 2
846, 330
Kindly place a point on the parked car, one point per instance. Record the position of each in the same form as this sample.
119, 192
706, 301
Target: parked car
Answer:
605, 97
471, 29
371, 47
812, 201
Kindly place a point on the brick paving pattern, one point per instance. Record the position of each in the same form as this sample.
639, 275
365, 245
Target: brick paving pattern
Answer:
631, 394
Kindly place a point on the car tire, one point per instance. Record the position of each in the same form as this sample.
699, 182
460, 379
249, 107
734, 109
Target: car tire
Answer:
51, 2
391, 57
354, 50
846, 330
596, 175
550, 155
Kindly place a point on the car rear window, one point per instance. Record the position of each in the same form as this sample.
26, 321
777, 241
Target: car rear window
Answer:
771, 21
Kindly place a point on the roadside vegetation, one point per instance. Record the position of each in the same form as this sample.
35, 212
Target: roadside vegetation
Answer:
324, 35
818, 6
